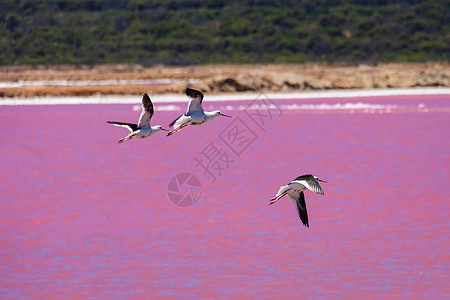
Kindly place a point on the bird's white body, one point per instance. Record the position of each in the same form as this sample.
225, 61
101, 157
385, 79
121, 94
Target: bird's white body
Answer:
142, 129
296, 186
197, 118
143, 133
292, 190
195, 115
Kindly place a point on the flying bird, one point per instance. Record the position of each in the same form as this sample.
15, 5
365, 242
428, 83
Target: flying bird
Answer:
294, 190
195, 115
142, 129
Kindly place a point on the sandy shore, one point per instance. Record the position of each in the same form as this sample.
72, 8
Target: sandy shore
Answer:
216, 79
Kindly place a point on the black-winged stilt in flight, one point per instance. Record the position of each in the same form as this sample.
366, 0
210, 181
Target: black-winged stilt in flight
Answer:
294, 190
195, 115
142, 129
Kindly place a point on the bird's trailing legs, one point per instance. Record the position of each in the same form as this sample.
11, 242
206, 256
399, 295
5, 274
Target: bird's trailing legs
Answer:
128, 137
177, 129
123, 140
276, 198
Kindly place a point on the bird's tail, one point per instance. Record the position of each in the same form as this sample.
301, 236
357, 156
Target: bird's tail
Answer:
283, 189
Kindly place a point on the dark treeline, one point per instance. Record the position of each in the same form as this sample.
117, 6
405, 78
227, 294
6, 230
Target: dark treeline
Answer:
211, 31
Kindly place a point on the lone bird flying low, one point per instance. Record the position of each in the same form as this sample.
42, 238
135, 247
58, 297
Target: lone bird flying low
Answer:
195, 115
295, 189
142, 129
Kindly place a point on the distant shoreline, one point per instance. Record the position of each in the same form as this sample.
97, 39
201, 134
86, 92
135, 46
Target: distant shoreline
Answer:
180, 98
121, 79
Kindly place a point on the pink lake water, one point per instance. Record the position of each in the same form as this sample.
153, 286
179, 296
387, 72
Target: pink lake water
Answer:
83, 217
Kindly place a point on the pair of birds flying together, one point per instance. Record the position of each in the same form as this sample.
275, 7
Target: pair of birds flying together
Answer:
195, 115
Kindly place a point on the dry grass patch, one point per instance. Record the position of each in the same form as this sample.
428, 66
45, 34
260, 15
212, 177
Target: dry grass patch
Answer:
225, 78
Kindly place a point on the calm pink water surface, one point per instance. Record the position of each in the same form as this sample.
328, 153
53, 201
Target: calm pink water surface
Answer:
84, 217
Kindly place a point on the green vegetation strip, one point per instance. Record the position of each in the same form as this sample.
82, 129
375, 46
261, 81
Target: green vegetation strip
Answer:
183, 32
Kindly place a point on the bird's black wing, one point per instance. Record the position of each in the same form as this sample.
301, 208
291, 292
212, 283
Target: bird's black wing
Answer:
173, 122
301, 209
130, 126
147, 111
310, 183
147, 104
314, 186
304, 177
195, 101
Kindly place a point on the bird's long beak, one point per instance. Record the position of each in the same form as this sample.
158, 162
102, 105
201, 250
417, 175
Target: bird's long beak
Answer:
322, 181
165, 129
225, 115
